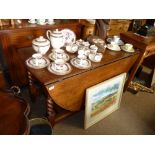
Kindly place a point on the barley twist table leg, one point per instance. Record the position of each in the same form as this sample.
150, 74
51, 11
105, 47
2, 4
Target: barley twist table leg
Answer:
50, 110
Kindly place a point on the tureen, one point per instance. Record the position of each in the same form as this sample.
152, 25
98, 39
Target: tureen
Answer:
56, 37
41, 45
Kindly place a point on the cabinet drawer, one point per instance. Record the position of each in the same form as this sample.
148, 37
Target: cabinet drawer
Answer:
24, 38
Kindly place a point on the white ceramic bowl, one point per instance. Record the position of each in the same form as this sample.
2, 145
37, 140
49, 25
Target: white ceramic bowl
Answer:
41, 45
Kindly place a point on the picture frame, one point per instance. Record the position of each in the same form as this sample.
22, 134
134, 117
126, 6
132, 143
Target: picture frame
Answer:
103, 99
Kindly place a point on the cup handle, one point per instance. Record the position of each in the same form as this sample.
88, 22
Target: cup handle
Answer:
48, 34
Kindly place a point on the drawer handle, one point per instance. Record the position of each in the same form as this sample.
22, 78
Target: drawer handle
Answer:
30, 37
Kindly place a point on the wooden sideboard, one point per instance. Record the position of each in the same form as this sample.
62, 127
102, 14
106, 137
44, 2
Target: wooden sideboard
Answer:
15, 37
68, 91
118, 26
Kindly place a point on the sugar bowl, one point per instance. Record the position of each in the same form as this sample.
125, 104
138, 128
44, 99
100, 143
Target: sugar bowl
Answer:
41, 45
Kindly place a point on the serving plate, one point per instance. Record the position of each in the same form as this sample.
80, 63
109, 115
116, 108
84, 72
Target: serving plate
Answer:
69, 36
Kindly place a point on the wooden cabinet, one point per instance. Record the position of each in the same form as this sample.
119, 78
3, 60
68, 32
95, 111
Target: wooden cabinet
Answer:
14, 37
118, 26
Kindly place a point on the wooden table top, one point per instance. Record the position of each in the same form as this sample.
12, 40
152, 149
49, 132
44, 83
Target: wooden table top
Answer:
45, 77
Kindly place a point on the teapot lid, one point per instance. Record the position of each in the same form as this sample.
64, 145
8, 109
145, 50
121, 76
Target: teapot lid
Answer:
57, 33
41, 41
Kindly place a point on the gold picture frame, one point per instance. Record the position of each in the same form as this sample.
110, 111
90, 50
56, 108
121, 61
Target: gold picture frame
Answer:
103, 99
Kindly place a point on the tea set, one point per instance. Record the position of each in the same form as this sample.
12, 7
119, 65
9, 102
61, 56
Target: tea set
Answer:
59, 67
41, 21
57, 39
37, 61
116, 44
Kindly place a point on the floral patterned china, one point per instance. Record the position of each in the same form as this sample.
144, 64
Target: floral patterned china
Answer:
72, 48
69, 36
81, 63
98, 40
55, 55
41, 45
37, 62
63, 69
95, 57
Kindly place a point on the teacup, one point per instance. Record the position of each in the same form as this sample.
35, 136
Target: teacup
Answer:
59, 64
32, 21
37, 58
81, 59
116, 39
59, 54
93, 49
41, 21
50, 21
86, 43
81, 51
98, 57
128, 46
95, 57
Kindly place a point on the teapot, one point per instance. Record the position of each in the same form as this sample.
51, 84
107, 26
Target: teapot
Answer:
56, 37
41, 45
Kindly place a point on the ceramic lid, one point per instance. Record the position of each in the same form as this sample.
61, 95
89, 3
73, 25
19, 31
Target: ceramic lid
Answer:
41, 41
57, 33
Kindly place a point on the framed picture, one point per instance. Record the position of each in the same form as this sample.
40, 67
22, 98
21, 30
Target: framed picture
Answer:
103, 99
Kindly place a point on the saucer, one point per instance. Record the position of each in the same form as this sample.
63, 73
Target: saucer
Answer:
67, 69
131, 51
52, 56
42, 64
75, 63
109, 46
120, 42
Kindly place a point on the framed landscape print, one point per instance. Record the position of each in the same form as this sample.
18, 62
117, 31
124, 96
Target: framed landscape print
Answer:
103, 99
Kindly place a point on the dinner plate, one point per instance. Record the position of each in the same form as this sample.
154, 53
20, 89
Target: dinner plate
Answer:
41, 64
109, 46
85, 65
130, 51
69, 36
67, 69
120, 42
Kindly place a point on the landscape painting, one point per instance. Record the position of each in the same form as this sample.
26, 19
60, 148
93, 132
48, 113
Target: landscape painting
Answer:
102, 99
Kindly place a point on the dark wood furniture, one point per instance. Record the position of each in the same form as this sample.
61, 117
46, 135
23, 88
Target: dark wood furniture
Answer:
146, 45
117, 26
68, 91
13, 114
15, 37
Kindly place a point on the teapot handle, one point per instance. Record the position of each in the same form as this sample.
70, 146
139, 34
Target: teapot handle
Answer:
48, 34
